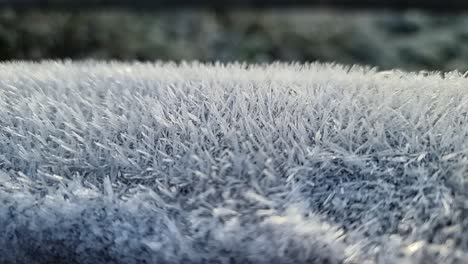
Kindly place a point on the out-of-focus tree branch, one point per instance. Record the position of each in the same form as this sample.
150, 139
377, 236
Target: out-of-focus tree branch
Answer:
430, 5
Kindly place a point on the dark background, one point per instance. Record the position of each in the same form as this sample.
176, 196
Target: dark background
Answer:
409, 40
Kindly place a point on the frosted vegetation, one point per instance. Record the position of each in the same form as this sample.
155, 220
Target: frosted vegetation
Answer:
166, 163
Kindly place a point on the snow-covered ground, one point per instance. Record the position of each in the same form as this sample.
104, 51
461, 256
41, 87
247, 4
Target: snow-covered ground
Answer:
192, 163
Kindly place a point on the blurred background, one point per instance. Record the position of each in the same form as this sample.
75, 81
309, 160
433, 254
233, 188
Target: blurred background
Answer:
408, 40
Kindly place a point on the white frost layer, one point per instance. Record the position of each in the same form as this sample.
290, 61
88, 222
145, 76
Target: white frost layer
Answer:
193, 163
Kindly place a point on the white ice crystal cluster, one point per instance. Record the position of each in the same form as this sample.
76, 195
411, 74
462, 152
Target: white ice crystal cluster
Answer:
195, 163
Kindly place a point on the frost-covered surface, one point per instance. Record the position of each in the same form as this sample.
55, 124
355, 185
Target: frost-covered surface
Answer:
166, 163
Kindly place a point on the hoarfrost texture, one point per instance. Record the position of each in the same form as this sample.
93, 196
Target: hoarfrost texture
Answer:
194, 163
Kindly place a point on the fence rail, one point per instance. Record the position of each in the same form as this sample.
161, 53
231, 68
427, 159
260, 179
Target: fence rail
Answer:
429, 5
